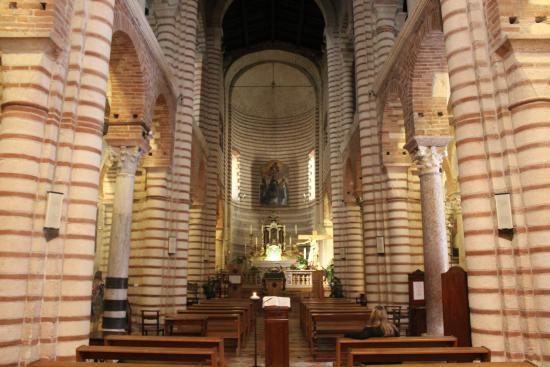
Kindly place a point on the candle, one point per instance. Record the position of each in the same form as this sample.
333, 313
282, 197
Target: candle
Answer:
256, 240
295, 229
254, 296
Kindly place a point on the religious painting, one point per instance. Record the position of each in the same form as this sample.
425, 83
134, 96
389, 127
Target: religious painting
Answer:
274, 184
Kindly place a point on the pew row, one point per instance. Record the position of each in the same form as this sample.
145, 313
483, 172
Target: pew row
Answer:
180, 355
223, 325
466, 364
168, 342
344, 344
399, 355
44, 363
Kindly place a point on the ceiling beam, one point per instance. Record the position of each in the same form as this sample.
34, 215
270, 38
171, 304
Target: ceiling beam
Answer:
301, 23
244, 16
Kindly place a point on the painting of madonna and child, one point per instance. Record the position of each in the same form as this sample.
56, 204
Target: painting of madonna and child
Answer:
274, 184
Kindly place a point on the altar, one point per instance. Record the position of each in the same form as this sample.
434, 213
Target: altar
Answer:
275, 249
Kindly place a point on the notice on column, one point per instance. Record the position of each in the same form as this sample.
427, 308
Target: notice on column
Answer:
418, 291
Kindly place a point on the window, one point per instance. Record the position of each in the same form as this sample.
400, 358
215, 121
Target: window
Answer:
235, 175
311, 175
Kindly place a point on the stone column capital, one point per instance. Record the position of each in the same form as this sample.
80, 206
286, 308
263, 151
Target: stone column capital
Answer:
429, 159
428, 152
126, 159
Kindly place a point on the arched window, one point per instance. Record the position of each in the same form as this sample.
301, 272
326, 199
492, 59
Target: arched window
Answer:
235, 175
311, 175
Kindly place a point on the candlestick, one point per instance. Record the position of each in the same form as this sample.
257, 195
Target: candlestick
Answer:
296, 229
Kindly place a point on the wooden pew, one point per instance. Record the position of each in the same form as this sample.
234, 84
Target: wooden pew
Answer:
330, 326
344, 344
197, 324
222, 324
244, 309
168, 342
465, 364
307, 321
105, 352
44, 363
398, 355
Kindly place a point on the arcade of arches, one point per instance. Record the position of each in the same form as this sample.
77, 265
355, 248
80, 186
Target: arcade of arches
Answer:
184, 139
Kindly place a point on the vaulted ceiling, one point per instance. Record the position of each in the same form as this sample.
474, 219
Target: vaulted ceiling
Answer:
250, 23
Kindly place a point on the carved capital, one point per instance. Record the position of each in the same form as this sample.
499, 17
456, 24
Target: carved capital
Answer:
126, 159
429, 159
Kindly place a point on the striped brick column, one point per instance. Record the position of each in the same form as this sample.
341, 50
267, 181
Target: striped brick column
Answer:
397, 239
26, 79
487, 303
116, 283
363, 21
153, 266
355, 278
209, 120
529, 106
335, 159
428, 155
384, 32
184, 68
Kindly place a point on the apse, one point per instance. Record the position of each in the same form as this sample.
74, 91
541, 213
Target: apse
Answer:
273, 112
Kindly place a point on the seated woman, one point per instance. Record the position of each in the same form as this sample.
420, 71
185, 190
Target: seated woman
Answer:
378, 326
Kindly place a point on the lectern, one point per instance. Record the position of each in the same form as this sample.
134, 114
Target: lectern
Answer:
276, 331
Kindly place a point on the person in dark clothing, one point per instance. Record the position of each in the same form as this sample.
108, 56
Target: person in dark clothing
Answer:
378, 326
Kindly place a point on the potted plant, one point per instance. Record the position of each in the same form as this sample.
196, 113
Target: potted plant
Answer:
301, 263
209, 288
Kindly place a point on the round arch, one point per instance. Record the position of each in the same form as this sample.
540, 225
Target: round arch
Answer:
429, 87
393, 131
126, 88
327, 9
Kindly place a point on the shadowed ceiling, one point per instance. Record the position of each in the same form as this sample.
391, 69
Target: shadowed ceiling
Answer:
250, 24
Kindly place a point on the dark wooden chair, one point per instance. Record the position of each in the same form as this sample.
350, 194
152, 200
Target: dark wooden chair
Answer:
150, 322
394, 315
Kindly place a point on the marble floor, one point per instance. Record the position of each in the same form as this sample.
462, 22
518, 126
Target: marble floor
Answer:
300, 356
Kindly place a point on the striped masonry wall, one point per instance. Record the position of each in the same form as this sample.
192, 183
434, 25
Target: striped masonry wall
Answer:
364, 72
202, 260
260, 139
184, 70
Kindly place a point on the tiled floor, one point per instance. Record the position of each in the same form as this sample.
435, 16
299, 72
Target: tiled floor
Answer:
300, 356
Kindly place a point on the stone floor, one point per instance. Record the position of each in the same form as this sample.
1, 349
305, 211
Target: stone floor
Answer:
300, 356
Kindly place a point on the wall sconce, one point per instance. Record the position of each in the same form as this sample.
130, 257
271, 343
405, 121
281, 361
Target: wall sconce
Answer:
52, 220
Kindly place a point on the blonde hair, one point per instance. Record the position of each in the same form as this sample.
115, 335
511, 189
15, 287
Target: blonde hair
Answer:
379, 318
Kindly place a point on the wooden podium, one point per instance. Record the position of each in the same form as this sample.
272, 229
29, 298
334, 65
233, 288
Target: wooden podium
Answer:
276, 336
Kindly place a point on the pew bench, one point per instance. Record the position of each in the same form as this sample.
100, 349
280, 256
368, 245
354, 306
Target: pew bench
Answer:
222, 325
344, 344
327, 327
398, 355
111, 353
465, 364
185, 325
168, 342
44, 363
